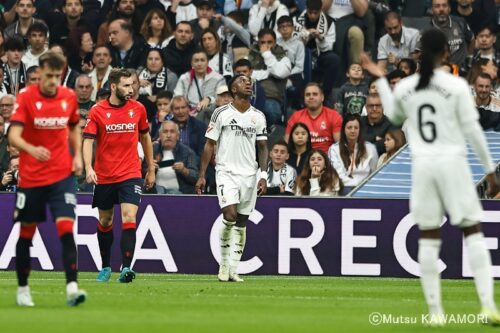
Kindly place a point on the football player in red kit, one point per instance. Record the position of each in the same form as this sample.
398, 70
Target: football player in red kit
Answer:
116, 124
44, 126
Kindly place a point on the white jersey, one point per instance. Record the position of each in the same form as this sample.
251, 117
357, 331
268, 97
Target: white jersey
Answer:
236, 134
340, 8
284, 176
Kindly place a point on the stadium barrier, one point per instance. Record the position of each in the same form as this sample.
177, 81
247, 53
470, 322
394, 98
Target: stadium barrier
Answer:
289, 236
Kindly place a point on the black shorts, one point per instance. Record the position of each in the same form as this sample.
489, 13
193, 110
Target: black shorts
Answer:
127, 191
31, 202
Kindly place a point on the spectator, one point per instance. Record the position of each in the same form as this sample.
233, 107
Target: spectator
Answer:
199, 84
25, 9
265, 15
81, 46
122, 9
144, 100
178, 53
218, 60
485, 41
235, 35
83, 90
280, 175
69, 75
37, 44
375, 124
6, 108
156, 29
352, 95
399, 42
182, 10
299, 146
272, 68
224, 97
143, 7
205, 11
101, 58
155, 77
192, 130
258, 99
393, 141
353, 157
394, 77
476, 13
231, 6
317, 31
163, 100
10, 177
408, 66
71, 17
14, 69
4, 154
487, 105
318, 178
324, 123
127, 51
3, 57
177, 164
33, 75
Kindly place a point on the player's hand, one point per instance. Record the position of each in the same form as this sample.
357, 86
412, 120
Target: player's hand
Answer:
200, 185
40, 153
77, 167
493, 188
371, 67
91, 176
262, 187
149, 180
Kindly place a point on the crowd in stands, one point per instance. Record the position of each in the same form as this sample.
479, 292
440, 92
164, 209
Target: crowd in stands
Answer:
326, 123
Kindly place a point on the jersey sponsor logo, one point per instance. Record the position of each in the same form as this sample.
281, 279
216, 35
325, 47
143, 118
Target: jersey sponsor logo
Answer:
120, 128
50, 122
248, 131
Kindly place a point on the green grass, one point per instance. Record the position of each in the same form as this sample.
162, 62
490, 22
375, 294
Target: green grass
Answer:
198, 303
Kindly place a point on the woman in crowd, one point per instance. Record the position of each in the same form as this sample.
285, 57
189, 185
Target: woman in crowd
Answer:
393, 141
218, 60
155, 29
299, 146
155, 77
80, 46
352, 157
318, 178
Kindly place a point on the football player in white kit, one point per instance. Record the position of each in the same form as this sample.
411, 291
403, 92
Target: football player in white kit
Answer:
235, 129
440, 115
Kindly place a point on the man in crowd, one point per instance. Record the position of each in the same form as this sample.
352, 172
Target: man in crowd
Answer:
375, 124
127, 51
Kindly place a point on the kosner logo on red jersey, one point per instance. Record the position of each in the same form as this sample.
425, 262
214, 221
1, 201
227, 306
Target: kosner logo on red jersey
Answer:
118, 128
51, 122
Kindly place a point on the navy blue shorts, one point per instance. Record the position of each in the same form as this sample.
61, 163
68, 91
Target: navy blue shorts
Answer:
127, 191
31, 202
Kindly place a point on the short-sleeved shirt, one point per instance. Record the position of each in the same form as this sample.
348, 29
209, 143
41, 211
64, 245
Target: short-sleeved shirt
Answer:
236, 134
322, 127
458, 34
407, 45
116, 130
46, 122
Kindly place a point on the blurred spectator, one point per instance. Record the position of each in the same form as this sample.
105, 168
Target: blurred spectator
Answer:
487, 104
351, 96
122, 9
163, 100
155, 29
271, 67
218, 60
7, 103
205, 11
4, 154
223, 97
101, 59
233, 5
3, 87
25, 9
3, 57
299, 146
69, 74
408, 66
61, 24
265, 15
37, 44
235, 35
178, 53
317, 31
192, 130
318, 178
258, 99
476, 13
144, 100
32, 75
81, 46
10, 177
398, 43
394, 77
199, 84
14, 69
280, 175
393, 141
485, 42
155, 77
182, 10
83, 90
102, 94
375, 124
143, 7
177, 164
353, 157
323, 123
127, 50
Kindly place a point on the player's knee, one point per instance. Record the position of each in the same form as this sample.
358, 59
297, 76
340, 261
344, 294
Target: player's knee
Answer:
241, 221
64, 227
106, 221
230, 216
27, 231
128, 216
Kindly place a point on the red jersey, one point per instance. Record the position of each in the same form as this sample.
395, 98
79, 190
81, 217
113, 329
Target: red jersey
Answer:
46, 122
116, 130
322, 127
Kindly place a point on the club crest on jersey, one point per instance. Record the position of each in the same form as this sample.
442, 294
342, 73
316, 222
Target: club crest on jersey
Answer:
253, 120
131, 113
64, 105
38, 105
108, 115
322, 125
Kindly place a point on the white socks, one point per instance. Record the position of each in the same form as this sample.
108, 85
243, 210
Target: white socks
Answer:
428, 256
239, 237
480, 264
71, 288
225, 241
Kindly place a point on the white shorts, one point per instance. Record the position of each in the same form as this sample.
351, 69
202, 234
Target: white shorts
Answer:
443, 185
235, 189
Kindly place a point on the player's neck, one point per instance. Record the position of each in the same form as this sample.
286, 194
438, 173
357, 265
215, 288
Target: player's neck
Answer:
47, 93
114, 101
241, 104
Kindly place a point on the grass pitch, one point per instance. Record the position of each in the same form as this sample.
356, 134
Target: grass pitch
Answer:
199, 303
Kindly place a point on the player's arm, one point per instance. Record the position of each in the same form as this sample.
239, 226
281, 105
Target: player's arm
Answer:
147, 146
262, 154
206, 156
88, 147
15, 138
75, 141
